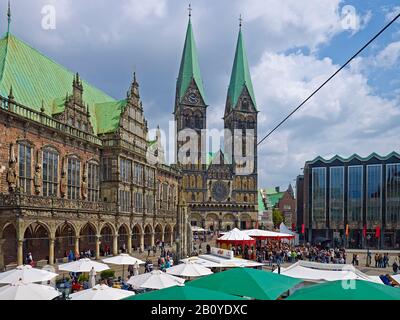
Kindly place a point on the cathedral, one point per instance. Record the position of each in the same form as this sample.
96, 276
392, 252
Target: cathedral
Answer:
220, 195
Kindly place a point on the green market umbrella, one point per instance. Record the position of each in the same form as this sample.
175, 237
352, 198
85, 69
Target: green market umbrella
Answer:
247, 282
184, 293
347, 290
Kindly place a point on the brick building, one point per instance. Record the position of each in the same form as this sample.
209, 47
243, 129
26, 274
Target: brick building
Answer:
75, 169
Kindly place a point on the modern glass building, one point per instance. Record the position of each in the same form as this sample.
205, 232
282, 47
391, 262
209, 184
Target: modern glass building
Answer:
360, 195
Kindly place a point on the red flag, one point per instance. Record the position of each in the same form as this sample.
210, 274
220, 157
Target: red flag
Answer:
303, 228
377, 231
293, 227
365, 230
347, 230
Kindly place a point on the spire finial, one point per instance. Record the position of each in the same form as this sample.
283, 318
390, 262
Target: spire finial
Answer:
190, 10
8, 16
240, 21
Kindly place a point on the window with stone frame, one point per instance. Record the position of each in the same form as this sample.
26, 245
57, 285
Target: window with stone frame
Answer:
50, 172
139, 202
125, 168
25, 167
138, 174
93, 182
74, 178
106, 169
125, 200
164, 196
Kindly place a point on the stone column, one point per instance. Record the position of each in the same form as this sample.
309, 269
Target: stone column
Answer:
76, 244
115, 244
162, 236
20, 252
129, 249
2, 241
51, 251
142, 242
98, 237
152, 239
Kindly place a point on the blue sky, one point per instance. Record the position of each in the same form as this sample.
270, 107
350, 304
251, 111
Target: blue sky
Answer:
292, 46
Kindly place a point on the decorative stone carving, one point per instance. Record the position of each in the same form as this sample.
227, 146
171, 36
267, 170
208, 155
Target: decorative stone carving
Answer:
84, 188
63, 184
12, 177
37, 179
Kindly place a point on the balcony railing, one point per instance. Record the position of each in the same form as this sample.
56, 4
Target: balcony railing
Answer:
16, 200
44, 119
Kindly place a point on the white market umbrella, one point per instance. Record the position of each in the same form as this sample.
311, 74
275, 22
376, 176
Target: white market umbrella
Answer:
235, 235
190, 270
28, 291
197, 229
83, 265
123, 260
155, 280
26, 274
268, 234
101, 292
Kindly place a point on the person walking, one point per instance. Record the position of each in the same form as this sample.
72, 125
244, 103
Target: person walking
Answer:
395, 266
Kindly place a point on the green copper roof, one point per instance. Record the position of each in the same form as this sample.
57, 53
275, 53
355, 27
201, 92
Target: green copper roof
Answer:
108, 115
36, 78
240, 77
189, 68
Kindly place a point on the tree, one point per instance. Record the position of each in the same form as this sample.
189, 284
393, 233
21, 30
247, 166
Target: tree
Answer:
277, 217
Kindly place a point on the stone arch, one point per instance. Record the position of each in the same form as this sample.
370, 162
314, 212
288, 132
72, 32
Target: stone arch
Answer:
158, 233
195, 219
228, 222
107, 232
168, 234
10, 244
123, 235
174, 232
245, 221
148, 234
36, 236
88, 237
212, 223
65, 236
137, 233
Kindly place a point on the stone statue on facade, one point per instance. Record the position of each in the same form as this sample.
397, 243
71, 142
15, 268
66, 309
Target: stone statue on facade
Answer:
63, 184
84, 190
12, 176
37, 179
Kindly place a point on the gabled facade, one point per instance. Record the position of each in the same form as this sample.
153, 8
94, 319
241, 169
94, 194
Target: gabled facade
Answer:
74, 167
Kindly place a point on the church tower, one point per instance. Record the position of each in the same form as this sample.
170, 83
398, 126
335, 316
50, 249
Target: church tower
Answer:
240, 119
190, 120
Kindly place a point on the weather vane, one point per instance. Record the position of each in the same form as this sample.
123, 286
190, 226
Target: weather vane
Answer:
190, 10
240, 21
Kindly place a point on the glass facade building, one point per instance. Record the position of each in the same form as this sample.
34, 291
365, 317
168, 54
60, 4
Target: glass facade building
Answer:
347, 200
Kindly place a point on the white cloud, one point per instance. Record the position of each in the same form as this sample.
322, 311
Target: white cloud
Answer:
143, 10
389, 56
293, 23
391, 12
343, 118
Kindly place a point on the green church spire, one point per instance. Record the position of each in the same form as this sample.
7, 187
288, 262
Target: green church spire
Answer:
189, 68
240, 77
